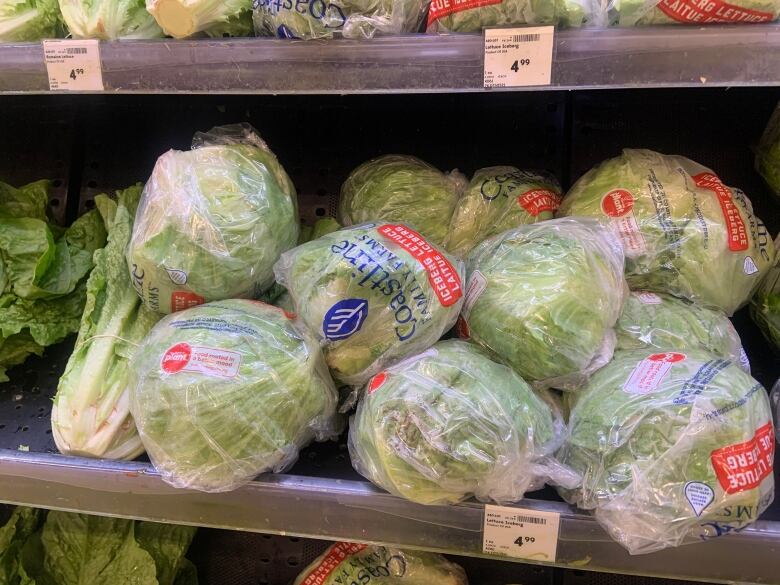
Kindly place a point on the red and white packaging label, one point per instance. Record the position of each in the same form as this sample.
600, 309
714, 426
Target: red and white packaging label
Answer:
618, 205
537, 201
711, 11
182, 299
737, 232
336, 555
376, 382
650, 372
210, 361
648, 298
744, 466
441, 8
441, 273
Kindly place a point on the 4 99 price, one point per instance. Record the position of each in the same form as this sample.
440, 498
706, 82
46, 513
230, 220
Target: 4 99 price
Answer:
521, 540
520, 63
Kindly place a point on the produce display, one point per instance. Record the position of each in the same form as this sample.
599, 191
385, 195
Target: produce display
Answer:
544, 298
91, 412
212, 222
683, 231
666, 322
372, 294
347, 562
402, 189
640, 12
351, 19
29, 20
673, 447
450, 423
498, 199
59, 548
473, 16
765, 307
108, 19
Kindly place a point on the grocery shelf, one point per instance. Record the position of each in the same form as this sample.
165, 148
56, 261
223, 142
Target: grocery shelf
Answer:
587, 58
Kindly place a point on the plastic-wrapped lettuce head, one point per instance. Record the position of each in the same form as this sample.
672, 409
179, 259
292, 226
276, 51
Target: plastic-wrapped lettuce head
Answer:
29, 20
673, 447
347, 562
768, 152
666, 322
450, 423
373, 294
212, 221
185, 18
683, 231
498, 199
228, 390
109, 19
765, 306
545, 297
474, 16
643, 13
402, 189
352, 19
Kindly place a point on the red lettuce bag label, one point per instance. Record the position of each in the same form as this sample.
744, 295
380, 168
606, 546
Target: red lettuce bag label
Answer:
210, 361
711, 11
744, 466
538, 200
338, 553
738, 237
182, 299
442, 8
376, 382
648, 374
441, 273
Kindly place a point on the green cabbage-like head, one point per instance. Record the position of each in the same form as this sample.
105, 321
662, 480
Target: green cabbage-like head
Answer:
683, 231
29, 20
402, 189
450, 423
447, 17
109, 19
373, 294
498, 199
228, 390
663, 12
211, 223
545, 297
673, 447
765, 306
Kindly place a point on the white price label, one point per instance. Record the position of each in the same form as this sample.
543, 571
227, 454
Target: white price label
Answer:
518, 57
73, 65
521, 533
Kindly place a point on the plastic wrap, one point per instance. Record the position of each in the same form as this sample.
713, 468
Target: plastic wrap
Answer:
212, 221
450, 423
774, 398
765, 306
347, 563
352, 19
227, 390
109, 19
474, 15
402, 189
373, 294
683, 231
498, 199
666, 322
768, 152
545, 298
673, 447
693, 12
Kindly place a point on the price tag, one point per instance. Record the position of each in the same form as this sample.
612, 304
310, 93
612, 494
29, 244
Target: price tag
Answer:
73, 65
518, 57
521, 533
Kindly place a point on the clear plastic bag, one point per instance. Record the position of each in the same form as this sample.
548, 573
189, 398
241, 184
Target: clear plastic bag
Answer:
666, 322
373, 294
325, 19
673, 447
474, 15
683, 231
449, 423
768, 152
545, 298
693, 12
498, 199
403, 189
347, 563
765, 306
228, 390
212, 221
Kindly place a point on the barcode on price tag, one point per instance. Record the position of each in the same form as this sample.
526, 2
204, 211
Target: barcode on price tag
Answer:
521, 533
73, 65
518, 57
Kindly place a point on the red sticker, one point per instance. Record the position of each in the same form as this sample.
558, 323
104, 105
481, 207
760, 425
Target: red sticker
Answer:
738, 238
441, 273
709, 11
182, 299
462, 328
376, 382
441, 8
176, 358
617, 203
668, 357
744, 466
538, 200
336, 555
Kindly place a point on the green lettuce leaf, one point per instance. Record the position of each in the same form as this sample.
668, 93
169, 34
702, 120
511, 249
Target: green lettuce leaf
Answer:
29, 20
765, 306
13, 535
167, 543
184, 18
512, 12
109, 19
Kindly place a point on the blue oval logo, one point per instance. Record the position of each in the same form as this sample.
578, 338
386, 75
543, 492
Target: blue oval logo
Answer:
344, 318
